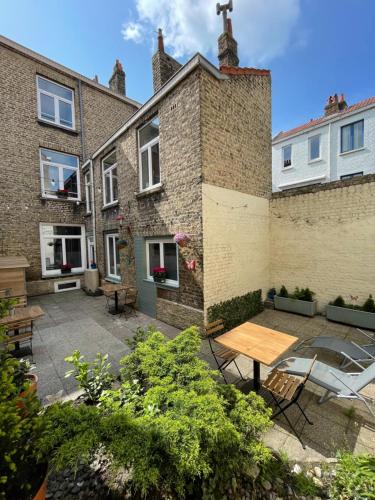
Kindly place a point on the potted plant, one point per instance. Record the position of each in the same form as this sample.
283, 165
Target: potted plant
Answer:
93, 265
62, 193
351, 314
299, 302
159, 274
182, 239
23, 472
7, 307
66, 268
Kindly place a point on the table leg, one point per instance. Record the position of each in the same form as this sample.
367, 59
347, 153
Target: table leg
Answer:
256, 375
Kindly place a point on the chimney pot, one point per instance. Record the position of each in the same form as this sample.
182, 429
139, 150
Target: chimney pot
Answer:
117, 80
160, 40
163, 65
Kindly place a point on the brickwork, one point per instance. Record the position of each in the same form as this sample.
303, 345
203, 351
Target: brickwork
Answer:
323, 238
236, 133
178, 315
163, 68
22, 135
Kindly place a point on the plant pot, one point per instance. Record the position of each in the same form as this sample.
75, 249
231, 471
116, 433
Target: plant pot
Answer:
295, 306
354, 317
158, 279
30, 390
41, 493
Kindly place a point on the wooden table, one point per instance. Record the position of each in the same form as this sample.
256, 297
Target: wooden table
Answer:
261, 344
22, 314
113, 288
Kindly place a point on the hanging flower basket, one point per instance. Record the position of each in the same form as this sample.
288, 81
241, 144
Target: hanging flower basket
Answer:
159, 274
182, 239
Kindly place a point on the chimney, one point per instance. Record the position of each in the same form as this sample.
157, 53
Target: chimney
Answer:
163, 65
117, 80
227, 44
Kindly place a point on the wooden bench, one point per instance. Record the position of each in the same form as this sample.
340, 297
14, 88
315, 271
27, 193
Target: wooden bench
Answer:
22, 333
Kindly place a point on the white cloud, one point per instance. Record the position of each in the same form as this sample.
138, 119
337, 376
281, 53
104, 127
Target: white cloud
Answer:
262, 28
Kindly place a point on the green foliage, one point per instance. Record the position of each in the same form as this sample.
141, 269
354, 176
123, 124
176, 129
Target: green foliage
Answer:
355, 477
93, 378
369, 305
140, 336
303, 294
304, 485
178, 430
338, 302
237, 310
20, 428
6, 305
283, 292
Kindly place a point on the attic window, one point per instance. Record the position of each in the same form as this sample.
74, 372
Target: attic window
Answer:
287, 156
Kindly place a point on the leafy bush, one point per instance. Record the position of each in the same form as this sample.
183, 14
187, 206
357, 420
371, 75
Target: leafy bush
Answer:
94, 378
355, 477
6, 305
170, 424
338, 302
236, 311
21, 427
140, 336
369, 305
303, 294
283, 292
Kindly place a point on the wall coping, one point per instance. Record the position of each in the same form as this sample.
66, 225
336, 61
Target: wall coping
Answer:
316, 188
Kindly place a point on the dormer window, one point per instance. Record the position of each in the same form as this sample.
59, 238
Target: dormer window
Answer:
55, 103
148, 137
287, 156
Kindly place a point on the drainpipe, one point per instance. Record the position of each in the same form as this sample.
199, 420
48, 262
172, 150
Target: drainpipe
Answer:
329, 154
93, 211
81, 118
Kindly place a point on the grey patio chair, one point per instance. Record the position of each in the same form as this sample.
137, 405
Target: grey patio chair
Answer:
363, 353
336, 382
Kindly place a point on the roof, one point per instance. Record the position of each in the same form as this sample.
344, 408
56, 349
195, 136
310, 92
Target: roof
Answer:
63, 69
13, 262
325, 119
234, 70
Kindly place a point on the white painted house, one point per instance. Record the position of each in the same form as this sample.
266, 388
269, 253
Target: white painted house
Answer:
339, 145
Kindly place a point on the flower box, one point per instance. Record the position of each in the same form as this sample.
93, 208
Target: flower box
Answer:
159, 274
62, 193
66, 268
349, 316
304, 307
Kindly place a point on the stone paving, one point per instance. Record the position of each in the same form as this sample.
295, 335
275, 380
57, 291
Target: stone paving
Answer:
74, 320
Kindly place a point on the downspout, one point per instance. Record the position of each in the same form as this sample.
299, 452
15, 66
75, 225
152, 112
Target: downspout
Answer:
93, 209
329, 154
81, 118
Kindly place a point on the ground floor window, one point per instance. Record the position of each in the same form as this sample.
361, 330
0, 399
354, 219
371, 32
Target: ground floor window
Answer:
112, 256
90, 251
350, 176
62, 249
163, 253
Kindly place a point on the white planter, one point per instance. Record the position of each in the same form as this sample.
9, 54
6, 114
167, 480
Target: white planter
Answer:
352, 317
295, 306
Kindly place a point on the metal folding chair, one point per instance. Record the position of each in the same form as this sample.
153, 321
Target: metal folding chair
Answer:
286, 390
130, 300
222, 355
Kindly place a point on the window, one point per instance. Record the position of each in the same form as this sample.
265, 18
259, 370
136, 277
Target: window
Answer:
88, 192
62, 249
112, 256
352, 136
59, 175
148, 137
110, 186
287, 156
350, 176
163, 253
314, 148
90, 251
55, 103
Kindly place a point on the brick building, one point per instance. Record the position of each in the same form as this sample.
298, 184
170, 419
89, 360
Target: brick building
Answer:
52, 120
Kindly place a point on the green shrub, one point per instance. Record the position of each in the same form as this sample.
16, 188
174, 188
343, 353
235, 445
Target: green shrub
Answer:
303, 294
140, 335
93, 378
171, 424
369, 305
338, 302
6, 305
236, 311
355, 477
283, 292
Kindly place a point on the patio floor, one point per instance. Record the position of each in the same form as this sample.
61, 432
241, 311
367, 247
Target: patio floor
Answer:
74, 320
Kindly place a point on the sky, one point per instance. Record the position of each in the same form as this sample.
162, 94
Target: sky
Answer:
314, 48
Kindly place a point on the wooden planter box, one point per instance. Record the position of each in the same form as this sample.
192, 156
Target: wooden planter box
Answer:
295, 306
352, 317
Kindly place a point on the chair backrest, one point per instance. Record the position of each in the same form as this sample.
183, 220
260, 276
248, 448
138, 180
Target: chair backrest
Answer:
214, 327
131, 294
363, 379
308, 373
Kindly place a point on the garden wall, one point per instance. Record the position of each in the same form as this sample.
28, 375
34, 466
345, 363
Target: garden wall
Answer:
323, 237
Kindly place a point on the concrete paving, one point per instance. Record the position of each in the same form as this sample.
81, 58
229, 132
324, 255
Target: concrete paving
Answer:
74, 320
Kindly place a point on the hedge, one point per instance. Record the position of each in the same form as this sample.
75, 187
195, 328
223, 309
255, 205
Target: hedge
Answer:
236, 311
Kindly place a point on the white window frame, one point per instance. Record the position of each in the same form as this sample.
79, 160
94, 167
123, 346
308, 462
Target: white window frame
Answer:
351, 124
318, 158
148, 147
161, 241
60, 167
282, 156
56, 100
90, 251
88, 191
76, 285
108, 275
57, 272
106, 171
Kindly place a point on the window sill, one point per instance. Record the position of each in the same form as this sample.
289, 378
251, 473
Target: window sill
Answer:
62, 275
46, 123
287, 168
165, 286
351, 151
110, 205
56, 198
155, 189
112, 280
316, 160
